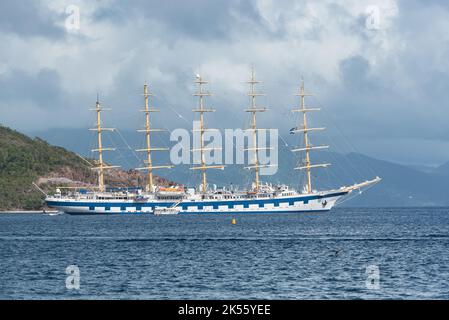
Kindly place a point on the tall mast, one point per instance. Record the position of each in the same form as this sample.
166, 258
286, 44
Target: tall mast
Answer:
304, 129
150, 183
201, 110
254, 110
101, 166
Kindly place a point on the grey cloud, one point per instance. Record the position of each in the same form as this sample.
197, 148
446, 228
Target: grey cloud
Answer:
41, 89
373, 98
419, 4
198, 19
374, 109
28, 18
354, 71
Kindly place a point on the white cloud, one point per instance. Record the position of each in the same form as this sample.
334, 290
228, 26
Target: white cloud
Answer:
120, 45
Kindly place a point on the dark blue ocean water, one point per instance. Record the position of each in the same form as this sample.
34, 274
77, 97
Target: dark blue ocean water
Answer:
284, 256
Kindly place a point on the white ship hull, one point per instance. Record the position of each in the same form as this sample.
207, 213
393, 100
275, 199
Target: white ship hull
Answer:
318, 202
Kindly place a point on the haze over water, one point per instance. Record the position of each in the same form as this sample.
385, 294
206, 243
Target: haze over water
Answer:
264, 256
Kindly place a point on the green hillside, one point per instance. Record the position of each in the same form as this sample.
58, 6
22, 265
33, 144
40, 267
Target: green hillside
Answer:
23, 161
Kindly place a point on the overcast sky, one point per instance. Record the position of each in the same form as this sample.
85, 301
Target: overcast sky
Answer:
380, 73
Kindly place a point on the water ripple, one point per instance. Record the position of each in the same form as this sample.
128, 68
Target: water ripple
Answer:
289, 256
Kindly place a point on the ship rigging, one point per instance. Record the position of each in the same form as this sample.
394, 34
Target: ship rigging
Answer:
261, 198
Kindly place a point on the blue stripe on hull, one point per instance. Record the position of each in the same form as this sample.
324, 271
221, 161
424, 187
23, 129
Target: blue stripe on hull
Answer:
196, 213
200, 205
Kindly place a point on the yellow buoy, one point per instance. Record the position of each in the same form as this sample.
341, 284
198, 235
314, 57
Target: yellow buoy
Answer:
234, 221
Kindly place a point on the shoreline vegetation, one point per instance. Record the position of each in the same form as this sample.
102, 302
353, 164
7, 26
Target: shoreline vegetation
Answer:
24, 161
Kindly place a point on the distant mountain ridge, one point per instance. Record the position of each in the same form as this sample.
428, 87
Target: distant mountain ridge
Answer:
443, 169
401, 185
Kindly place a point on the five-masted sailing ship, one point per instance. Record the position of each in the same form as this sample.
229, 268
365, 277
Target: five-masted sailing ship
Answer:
154, 199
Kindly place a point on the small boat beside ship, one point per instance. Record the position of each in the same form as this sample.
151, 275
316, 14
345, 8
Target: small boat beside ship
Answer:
161, 200
52, 213
164, 211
